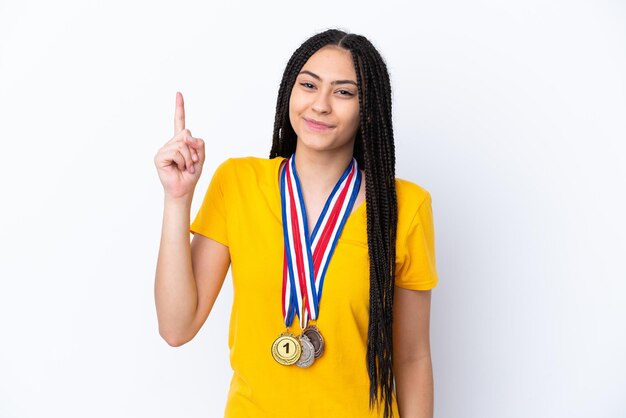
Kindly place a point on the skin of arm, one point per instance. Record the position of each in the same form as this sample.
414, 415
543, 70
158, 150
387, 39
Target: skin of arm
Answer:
412, 360
188, 277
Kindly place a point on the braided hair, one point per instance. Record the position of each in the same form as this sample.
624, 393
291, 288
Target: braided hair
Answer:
374, 150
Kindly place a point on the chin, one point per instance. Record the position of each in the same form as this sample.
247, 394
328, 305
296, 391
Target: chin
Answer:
316, 143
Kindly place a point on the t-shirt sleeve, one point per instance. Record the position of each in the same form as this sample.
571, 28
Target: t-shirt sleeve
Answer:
210, 220
417, 269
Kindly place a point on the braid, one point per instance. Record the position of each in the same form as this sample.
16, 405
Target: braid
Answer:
374, 150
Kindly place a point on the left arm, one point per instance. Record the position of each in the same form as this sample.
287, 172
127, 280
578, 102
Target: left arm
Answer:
412, 361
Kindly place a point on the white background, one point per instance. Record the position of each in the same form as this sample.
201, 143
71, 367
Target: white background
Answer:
512, 114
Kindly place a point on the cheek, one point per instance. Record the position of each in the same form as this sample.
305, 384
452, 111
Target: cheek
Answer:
293, 102
354, 118
295, 105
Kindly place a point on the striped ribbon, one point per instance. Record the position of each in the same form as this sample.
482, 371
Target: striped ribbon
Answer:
307, 255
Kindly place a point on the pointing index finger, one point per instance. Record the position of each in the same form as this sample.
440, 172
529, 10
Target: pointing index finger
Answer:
179, 115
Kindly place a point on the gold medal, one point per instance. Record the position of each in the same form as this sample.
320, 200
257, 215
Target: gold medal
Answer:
286, 349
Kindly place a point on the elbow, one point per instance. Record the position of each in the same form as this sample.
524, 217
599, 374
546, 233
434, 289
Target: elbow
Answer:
174, 340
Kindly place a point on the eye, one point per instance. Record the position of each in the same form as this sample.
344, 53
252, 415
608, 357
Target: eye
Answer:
307, 85
345, 93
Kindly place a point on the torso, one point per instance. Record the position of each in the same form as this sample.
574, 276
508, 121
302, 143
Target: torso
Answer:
242, 209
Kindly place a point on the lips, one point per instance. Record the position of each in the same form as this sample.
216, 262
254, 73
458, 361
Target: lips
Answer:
317, 125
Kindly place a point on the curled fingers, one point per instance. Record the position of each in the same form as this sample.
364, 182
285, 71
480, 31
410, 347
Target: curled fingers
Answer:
180, 154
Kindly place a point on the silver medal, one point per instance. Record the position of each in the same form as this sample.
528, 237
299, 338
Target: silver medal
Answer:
308, 352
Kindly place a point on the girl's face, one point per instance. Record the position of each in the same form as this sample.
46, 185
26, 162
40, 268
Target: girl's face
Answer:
324, 103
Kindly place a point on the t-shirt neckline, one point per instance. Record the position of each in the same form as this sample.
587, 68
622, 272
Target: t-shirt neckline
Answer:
276, 172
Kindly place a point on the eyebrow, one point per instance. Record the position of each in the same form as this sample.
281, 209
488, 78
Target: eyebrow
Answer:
332, 83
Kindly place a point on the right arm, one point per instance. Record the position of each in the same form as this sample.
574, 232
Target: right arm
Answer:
188, 276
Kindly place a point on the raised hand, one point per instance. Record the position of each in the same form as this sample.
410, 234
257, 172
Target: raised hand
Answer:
179, 162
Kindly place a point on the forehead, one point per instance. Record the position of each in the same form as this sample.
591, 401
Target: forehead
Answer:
331, 63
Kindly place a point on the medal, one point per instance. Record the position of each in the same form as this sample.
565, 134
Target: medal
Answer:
308, 352
286, 349
314, 335
306, 258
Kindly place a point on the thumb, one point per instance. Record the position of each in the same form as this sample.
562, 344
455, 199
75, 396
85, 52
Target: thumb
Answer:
198, 145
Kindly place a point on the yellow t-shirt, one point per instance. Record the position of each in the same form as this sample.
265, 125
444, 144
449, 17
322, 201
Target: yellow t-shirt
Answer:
242, 210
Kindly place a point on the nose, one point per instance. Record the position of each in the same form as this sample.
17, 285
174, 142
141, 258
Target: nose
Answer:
321, 104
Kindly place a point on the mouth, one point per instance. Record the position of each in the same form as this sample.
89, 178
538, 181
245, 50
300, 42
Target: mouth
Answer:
317, 125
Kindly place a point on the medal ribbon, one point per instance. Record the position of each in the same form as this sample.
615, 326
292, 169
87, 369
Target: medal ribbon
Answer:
307, 255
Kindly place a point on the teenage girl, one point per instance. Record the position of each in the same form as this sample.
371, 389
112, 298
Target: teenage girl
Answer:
332, 256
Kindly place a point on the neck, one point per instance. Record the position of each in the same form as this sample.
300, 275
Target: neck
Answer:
319, 171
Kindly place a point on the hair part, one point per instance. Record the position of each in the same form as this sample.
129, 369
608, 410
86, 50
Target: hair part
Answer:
375, 152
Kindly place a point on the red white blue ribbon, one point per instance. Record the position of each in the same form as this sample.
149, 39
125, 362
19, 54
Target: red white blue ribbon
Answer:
307, 256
